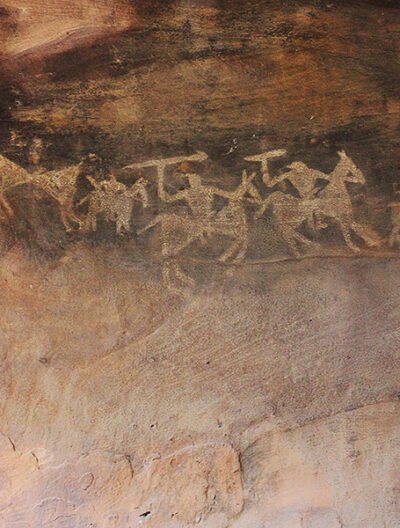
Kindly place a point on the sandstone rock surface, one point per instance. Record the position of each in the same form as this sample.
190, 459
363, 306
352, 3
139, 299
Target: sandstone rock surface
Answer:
199, 264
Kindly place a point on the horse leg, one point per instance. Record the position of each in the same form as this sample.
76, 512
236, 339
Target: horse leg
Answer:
166, 278
244, 243
367, 234
182, 276
68, 216
90, 223
301, 238
232, 249
69, 208
65, 220
260, 212
289, 237
122, 223
74, 218
344, 225
126, 224
125, 217
169, 269
239, 246
174, 266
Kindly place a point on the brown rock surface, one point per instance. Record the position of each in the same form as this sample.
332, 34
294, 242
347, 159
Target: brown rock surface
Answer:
268, 400
199, 344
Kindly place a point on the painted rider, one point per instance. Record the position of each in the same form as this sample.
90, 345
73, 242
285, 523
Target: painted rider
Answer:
304, 180
200, 197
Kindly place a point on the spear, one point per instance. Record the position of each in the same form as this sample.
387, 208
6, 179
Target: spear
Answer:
161, 164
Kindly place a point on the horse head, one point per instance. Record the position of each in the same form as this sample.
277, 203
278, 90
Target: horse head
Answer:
348, 170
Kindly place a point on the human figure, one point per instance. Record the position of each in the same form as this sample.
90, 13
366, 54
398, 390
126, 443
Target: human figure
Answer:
304, 180
203, 219
200, 197
315, 206
178, 231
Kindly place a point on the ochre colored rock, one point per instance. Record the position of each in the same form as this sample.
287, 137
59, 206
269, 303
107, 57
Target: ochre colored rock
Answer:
199, 264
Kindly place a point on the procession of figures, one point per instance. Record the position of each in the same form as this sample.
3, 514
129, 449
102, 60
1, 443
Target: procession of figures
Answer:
307, 206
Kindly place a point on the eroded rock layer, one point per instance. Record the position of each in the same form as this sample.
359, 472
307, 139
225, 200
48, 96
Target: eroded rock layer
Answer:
199, 255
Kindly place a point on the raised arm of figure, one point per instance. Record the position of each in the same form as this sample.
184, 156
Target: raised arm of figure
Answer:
271, 182
241, 190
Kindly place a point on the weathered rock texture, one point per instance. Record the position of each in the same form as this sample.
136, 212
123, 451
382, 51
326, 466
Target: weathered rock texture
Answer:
208, 341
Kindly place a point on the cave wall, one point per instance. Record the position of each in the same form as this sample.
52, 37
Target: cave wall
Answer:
199, 251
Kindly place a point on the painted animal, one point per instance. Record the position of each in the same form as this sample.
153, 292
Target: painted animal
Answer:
59, 184
331, 203
116, 201
334, 203
179, 231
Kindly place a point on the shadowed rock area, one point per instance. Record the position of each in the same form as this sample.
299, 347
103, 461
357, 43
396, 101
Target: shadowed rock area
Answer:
199, 255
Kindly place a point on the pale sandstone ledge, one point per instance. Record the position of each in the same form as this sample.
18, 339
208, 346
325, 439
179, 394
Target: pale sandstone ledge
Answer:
38, 28
269, 399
